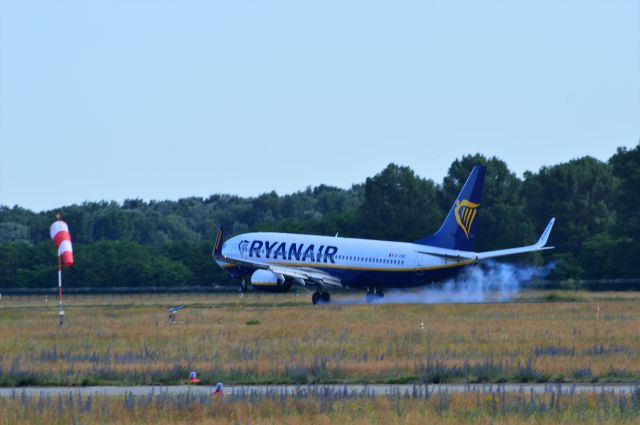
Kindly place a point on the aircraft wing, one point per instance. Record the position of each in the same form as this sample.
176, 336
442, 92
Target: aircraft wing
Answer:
538, 246
300, 275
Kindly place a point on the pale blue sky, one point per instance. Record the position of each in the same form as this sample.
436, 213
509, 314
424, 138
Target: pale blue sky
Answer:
168, 99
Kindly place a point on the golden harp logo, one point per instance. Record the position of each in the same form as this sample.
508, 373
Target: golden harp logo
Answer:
465, 214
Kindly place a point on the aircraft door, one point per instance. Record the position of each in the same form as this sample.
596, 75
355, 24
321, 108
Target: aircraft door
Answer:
418, 265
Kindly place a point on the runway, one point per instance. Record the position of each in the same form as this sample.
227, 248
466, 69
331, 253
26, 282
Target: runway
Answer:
375, 389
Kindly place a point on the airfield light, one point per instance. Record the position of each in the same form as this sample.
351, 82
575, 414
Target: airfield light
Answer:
193, 378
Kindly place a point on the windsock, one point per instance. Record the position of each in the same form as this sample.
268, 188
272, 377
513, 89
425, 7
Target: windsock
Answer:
60, 234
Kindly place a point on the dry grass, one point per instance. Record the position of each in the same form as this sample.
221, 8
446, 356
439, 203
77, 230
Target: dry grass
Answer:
127, 339
325, 408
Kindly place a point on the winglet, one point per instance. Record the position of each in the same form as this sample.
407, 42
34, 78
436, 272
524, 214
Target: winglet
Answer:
217, 246
545, 235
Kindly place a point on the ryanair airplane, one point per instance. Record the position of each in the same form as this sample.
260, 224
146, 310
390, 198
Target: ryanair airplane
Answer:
274, 261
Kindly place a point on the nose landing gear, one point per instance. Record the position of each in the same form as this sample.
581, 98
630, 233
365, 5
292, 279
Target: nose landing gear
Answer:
243, 287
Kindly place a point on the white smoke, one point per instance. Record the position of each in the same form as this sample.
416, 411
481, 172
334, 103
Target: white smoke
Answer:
488, 282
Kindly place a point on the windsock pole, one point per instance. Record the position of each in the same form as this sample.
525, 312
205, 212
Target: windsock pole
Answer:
59, 232
60, 307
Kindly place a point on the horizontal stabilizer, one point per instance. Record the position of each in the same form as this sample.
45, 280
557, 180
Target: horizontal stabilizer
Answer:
450, 255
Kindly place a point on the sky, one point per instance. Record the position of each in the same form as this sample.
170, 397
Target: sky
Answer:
110, 100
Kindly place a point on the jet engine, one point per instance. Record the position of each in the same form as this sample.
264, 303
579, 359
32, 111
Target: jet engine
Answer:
268, 281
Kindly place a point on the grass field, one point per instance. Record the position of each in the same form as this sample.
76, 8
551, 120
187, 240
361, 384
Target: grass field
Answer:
325, 407
113, 339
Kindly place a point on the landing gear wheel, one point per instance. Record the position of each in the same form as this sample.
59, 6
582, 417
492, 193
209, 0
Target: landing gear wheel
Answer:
374, 294
325, 297
371, 296
320, 298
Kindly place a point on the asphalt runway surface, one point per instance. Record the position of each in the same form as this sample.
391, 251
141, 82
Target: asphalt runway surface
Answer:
374, 389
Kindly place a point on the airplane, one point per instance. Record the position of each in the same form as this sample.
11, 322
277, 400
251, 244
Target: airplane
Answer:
274, 261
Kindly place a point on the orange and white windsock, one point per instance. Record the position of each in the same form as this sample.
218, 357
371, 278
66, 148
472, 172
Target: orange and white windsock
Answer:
59, 232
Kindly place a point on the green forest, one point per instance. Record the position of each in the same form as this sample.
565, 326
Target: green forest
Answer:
168, 243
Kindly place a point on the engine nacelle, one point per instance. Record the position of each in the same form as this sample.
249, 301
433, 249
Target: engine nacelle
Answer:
265, 280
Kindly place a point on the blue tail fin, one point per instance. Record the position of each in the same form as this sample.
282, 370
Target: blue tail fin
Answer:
458, 229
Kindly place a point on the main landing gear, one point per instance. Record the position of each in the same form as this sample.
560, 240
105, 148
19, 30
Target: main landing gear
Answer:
374, 294
320, 297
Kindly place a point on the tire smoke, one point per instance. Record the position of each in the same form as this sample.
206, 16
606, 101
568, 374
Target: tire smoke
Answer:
489, 281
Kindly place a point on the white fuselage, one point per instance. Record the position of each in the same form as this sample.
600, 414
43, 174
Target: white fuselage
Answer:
353, 261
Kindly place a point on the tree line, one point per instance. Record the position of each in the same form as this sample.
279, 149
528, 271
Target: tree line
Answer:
168, 243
